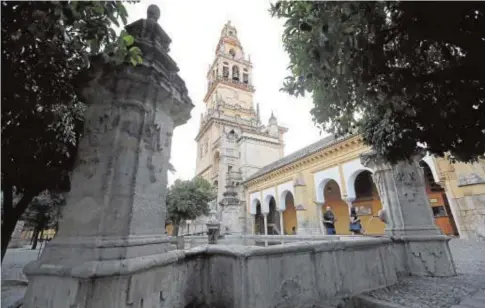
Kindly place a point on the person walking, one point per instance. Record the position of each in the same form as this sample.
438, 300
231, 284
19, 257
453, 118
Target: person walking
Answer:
355, 225
329, 220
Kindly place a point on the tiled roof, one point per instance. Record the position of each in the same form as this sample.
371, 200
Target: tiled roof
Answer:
288, 159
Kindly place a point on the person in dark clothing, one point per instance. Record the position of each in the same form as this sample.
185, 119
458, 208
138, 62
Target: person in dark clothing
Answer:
355, 225
329, 220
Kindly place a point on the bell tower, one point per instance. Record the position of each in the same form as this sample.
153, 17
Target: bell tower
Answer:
232, 143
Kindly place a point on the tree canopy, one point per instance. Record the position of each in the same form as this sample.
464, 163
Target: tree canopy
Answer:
187, 200
45, 46
404, 74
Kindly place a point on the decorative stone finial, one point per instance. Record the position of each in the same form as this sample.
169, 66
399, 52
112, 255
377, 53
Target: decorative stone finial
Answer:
153, 12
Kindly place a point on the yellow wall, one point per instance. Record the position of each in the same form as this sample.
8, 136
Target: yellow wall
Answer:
371, 224
336, 156
289, 216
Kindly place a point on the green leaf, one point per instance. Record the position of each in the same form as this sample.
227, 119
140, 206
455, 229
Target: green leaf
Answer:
129, 40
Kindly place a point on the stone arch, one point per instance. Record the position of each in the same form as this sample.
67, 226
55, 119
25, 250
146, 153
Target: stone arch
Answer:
235, 73
267, 195
216, 160
273, 217
443, 215
283, 190
366, 200
332, 196
350, 182
428, 159
258, 218
289, 214
322, 178
254, 202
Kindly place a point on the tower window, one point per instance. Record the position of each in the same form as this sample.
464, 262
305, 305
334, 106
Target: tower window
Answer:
235, 73
232, 53
231, 33
245, 78
225, 72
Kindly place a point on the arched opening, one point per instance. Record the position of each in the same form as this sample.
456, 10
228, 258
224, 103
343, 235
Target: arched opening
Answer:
231, 136
367, 203
439, 202
289, 215
232, 52
258, 219
215, 186
225, 70
245, 78
235, 73
333, 199
273, 218
216, 162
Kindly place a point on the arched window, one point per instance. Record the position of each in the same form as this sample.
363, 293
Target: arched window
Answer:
231, 136
232, 52
245, 78
225, 71
235, 73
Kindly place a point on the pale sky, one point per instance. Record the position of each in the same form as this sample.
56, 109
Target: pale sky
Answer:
195, 27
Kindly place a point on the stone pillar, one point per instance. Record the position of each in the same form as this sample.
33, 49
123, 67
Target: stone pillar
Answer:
17, 232
253, 224
410, 219
265, 223
115, 212
349, 202
320, 217
280, 213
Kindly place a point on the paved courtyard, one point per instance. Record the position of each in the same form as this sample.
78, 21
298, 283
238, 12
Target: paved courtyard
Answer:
427, 292
410, 292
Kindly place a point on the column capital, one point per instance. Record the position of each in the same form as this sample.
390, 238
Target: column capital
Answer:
318, 203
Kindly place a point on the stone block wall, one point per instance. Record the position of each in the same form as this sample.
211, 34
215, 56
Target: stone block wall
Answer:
471, 216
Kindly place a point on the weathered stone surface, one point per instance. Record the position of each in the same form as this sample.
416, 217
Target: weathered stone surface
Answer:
472, 216
409, 218
17, 231
115, 211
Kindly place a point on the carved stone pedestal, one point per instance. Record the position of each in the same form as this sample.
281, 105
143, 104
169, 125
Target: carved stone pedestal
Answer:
113, 223
420, 247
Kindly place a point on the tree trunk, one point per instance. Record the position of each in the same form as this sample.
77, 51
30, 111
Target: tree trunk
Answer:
36, 238
12, 214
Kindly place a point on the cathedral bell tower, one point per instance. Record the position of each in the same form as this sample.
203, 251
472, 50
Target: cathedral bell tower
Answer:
231, 142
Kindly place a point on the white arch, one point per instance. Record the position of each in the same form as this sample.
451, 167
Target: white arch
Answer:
267, 194
322, 178
351, 170
254, 199
429, 160
283, 190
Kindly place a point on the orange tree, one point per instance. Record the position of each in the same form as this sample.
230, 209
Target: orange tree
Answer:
45, 46
404, 74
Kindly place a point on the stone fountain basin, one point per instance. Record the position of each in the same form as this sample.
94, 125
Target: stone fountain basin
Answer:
300, 274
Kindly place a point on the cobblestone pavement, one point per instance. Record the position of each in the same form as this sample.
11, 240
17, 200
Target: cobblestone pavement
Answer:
410, 292
428, 292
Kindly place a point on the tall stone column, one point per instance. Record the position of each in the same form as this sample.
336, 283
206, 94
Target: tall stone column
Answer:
115, 212
319, 206
410, 219
282, 229
265, 223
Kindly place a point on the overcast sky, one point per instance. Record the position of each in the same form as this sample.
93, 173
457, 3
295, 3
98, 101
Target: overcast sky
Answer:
194, 27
